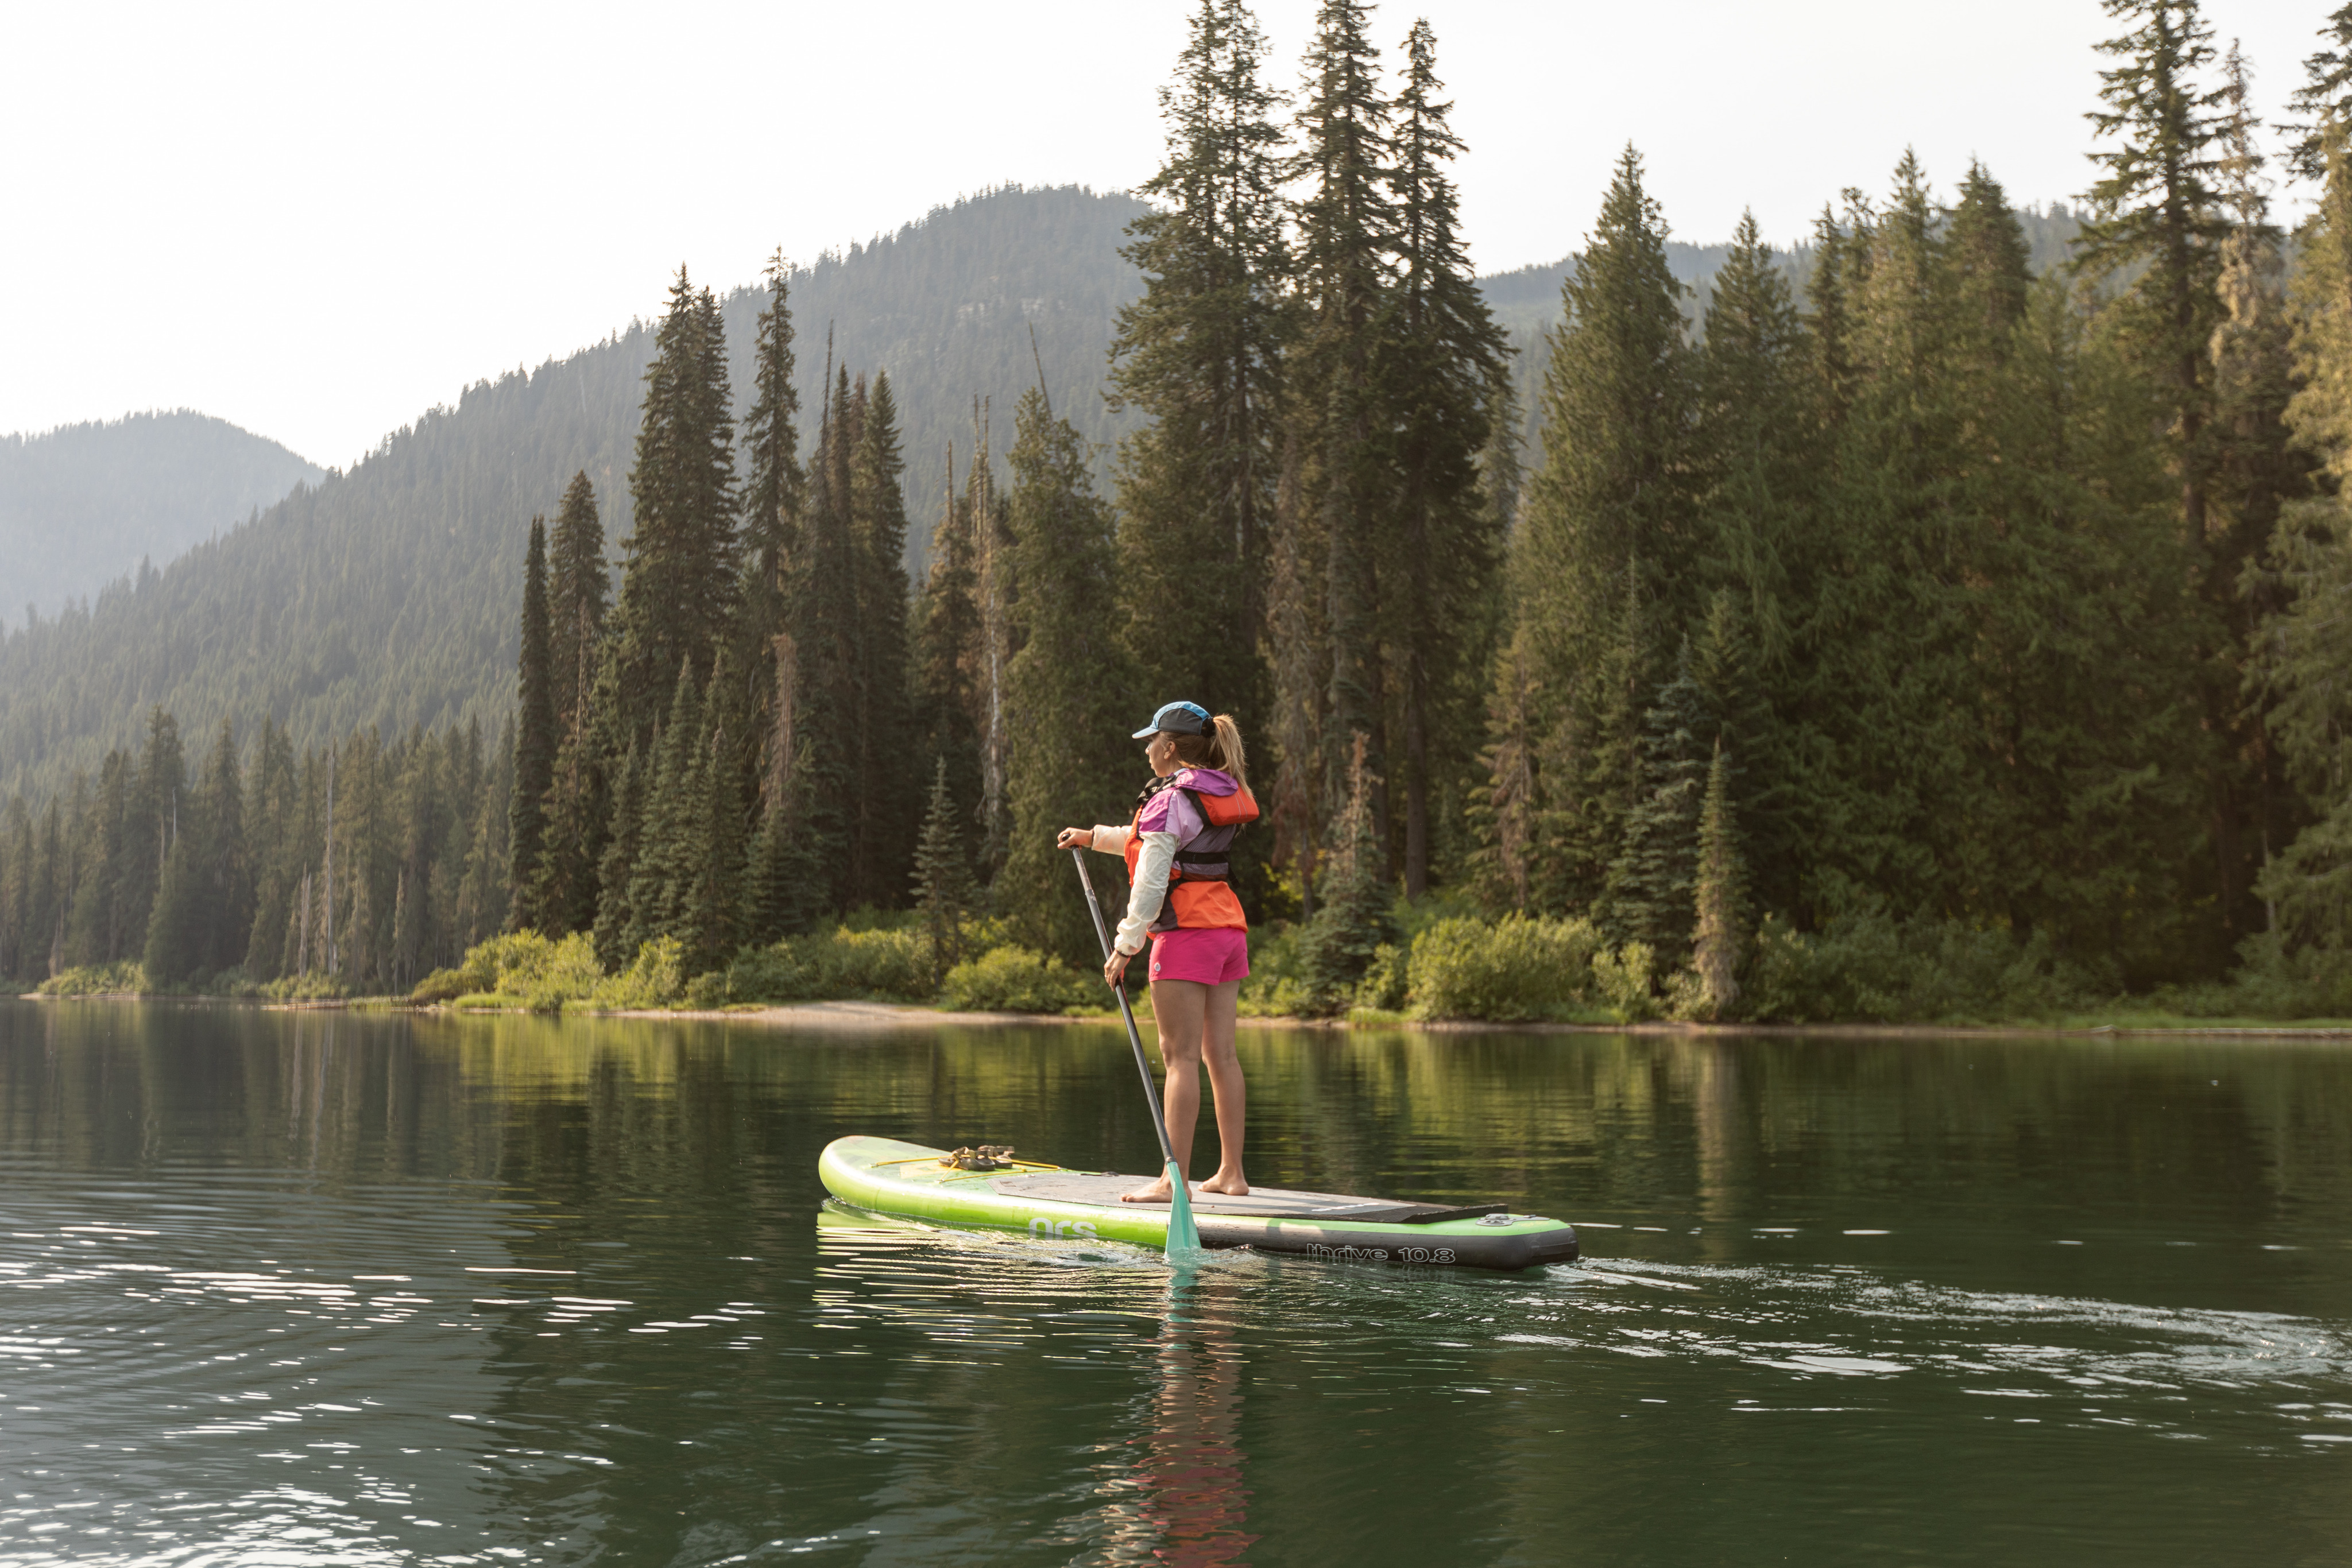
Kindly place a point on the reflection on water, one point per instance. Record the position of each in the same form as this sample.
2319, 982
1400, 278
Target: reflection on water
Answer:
1195, 1508
308, 1288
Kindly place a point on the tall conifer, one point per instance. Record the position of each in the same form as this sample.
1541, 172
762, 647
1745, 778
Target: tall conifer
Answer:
1720, 895
826, 643
948, 652
536, 737
1347, 237
1200, 353
678, 574
1607, 531
616, 871
887, 791
1441, 365
1071, 687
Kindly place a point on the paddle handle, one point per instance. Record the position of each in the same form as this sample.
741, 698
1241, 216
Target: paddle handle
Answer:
1134, 1037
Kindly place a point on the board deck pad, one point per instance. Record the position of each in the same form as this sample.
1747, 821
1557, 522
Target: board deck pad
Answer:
1258, 1203
910, 1180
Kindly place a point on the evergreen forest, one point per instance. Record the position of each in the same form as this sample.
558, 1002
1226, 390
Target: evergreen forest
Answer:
1936, 621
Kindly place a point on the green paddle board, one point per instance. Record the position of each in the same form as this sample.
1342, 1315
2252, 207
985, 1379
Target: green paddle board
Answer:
1047, 1201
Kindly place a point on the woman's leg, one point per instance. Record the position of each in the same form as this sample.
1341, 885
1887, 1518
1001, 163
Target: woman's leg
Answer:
1222, 1007
1179, 1007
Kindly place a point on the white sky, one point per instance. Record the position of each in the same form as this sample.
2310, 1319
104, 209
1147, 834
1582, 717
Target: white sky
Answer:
317, 220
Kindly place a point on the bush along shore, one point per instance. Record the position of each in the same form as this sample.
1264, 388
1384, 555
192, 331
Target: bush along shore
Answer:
1443, 964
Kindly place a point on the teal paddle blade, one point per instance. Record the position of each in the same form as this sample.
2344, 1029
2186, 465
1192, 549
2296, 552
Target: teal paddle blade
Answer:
1183, 1235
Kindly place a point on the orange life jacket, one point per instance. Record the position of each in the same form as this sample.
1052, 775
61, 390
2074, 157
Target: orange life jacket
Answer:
1199, 896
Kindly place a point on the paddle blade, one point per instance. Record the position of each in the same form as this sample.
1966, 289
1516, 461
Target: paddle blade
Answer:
1183, 1235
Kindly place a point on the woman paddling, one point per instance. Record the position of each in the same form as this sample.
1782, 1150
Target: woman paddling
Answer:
1177, 852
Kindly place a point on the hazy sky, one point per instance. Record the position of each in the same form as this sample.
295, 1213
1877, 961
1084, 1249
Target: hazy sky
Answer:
316, 221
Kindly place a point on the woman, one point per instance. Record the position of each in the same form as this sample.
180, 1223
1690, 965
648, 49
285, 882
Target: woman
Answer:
1176, 851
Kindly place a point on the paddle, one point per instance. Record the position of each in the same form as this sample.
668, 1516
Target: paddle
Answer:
1183, 1236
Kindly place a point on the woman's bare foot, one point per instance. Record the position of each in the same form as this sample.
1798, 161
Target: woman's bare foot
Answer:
1227, 1184
1157, 1192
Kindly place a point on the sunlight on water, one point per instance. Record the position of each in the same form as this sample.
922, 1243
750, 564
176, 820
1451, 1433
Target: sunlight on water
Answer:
295, 1290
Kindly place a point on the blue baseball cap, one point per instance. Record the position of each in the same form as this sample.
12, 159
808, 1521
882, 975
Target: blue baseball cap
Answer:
1176, 719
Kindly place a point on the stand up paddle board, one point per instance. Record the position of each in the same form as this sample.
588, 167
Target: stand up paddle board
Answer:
907, 1179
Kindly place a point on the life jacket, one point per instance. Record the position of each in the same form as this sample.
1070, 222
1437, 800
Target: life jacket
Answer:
1198, 895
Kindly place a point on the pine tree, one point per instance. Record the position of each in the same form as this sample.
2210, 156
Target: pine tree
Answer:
2325, 97
887, 791
1294, 630
18, 921
276, 850
2257, 469
667, 857
536, 735
2155, 207
1357, 913
678, 574
706, 898
1200, 353
944, 889
1347, 239
1758, 423
772, 495
776, 897
1070, 690
577, 585
1441, 360
997, 584
617, 874
825, 636
949, 657
1607, 528
2303, 647
1652, 881
1720, 895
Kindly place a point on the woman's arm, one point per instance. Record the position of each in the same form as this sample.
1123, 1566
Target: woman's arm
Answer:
1103, 840
1150, 892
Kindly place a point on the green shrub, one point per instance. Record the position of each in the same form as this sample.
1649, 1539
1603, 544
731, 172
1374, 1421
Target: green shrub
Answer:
1872, 968
1017, 980
122, 977
1384, 984
1622, 977
442, 986
879, 961
308, 987
654, 978
1510, 970
1276, 986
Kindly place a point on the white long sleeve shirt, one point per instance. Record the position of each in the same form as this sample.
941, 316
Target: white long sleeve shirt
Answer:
1150, 888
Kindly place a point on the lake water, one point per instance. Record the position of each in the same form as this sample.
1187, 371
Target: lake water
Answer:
287, 1288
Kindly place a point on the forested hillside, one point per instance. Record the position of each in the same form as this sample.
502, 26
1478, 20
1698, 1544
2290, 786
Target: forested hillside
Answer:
384, 596
83, 505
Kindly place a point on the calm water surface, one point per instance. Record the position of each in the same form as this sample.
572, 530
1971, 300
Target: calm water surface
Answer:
299, 1288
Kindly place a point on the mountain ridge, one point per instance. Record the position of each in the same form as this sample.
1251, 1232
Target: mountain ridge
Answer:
82, 504
386, 594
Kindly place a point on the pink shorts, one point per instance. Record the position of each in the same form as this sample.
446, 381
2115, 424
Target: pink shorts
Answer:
1206, 957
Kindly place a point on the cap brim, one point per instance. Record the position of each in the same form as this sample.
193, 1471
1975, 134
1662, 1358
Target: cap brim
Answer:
1146, 733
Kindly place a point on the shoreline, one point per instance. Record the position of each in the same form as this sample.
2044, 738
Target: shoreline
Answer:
891, 1015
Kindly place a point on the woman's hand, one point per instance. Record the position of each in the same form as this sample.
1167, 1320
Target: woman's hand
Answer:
1075, 838
1115, 967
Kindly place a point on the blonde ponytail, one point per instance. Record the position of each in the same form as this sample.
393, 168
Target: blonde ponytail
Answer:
1221, 749
1230, 757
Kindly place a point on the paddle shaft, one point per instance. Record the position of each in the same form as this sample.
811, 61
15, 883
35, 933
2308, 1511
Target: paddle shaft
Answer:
1134, 1037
